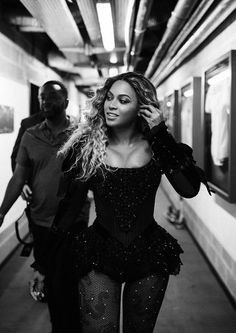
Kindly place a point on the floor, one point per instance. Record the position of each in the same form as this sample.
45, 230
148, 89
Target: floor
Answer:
195, 301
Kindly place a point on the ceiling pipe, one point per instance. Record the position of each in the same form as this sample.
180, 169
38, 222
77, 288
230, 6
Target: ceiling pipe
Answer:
139, 30
57, 61
184, 34
177, 20
224, 9
129, 32
26, 23
88, 49
56, 19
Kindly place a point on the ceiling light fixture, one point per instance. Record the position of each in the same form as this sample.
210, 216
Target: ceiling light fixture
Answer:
106, 25
113, 58
188, 93
113, 71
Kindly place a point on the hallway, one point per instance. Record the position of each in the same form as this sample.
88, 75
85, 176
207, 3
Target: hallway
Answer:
195, 302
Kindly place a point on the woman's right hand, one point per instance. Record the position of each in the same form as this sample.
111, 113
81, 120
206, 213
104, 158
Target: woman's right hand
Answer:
151, 114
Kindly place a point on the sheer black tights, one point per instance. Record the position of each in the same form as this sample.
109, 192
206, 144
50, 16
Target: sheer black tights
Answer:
99, 298
142, 301
100, 303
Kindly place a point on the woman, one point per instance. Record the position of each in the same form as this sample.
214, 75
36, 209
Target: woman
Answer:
120, 153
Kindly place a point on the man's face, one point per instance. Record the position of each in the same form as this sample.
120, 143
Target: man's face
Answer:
52, 100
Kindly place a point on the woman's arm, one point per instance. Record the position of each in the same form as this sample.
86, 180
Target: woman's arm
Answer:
176, 162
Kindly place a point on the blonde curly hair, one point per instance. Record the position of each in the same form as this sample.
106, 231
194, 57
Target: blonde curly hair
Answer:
90, 138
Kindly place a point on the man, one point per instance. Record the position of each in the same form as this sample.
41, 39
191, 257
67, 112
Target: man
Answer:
38, 164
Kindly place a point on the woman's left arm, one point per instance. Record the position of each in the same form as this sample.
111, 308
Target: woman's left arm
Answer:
175, 159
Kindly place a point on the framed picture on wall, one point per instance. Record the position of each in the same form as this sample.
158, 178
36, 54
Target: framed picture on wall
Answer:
6, 119
190, 116
170, 110
220, 125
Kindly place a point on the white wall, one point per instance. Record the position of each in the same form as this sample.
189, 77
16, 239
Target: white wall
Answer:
15, 95
214, 225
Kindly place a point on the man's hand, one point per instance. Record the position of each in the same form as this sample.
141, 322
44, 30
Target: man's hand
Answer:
26, 193
37, 287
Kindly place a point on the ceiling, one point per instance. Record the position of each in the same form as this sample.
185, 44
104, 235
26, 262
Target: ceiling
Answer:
65, 34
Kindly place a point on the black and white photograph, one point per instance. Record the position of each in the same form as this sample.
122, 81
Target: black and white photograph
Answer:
219, 125
118, 166
6, 119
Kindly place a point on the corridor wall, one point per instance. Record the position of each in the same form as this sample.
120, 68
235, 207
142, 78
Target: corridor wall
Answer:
211, 219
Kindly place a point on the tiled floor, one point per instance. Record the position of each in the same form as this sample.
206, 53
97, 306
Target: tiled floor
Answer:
194, 302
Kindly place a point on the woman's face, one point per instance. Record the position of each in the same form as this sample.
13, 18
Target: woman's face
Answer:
121, 105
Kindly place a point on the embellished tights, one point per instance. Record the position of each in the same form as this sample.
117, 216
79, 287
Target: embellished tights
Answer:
100, 303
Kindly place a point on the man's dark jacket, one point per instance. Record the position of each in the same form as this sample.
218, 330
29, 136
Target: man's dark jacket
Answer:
25, 124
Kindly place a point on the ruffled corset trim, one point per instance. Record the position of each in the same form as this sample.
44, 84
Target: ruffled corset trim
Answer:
152, 251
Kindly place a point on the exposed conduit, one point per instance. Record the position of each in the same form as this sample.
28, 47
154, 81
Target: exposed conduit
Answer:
139, 30
183, 35
212, 22
178, 18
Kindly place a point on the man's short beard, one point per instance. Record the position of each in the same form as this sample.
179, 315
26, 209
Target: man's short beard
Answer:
56, 111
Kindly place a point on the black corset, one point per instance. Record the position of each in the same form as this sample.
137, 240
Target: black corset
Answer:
125, 197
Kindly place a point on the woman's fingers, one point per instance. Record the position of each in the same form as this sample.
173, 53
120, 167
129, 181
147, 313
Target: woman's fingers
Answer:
151, 114
145, 112
150, 108
150, 111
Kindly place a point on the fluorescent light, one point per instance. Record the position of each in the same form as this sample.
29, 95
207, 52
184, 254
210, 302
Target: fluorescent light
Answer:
113, 58
31, 29
113, 71
106, 25
218, 77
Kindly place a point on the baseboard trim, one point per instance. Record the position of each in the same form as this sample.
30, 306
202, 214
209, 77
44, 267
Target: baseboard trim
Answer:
8, 241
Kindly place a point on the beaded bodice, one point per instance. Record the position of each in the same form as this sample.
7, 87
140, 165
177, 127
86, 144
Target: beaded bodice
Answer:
124, 199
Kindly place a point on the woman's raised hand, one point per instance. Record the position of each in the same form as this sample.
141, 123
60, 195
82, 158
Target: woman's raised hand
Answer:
151, 114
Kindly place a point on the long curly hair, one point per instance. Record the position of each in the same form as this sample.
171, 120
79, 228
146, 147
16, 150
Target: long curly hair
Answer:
91, 137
